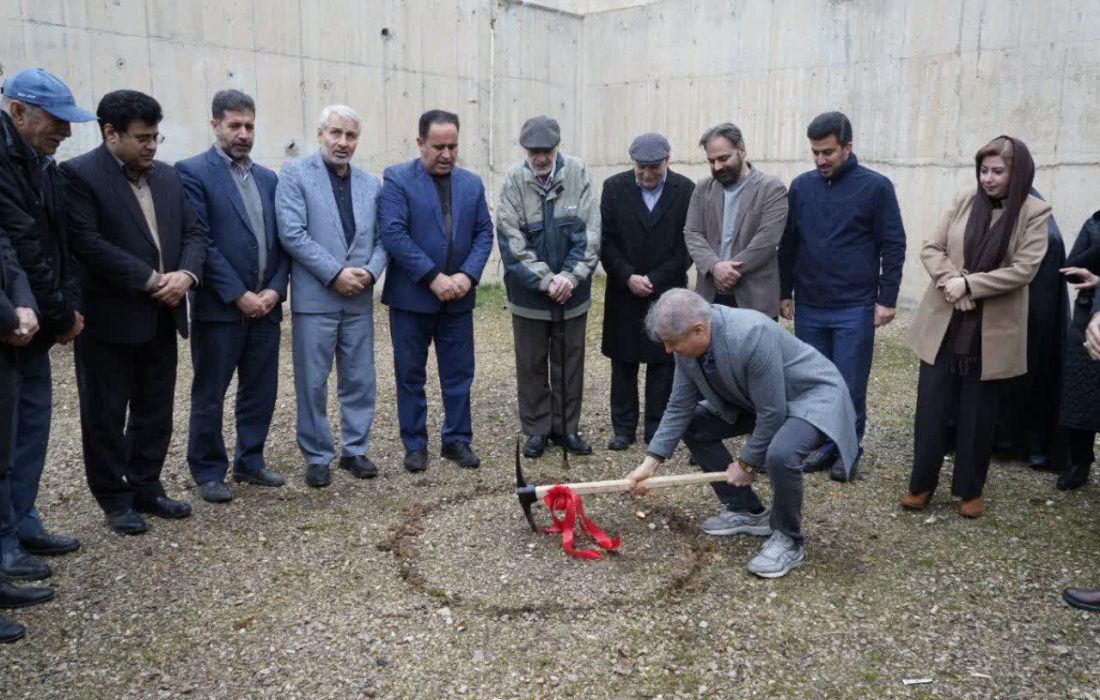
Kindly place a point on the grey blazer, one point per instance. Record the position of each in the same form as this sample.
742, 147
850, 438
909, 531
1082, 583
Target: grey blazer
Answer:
311, 233
771, 374
761, 218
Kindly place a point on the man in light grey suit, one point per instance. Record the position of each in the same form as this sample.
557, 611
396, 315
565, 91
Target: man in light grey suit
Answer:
327, 211
734, 224
738, 373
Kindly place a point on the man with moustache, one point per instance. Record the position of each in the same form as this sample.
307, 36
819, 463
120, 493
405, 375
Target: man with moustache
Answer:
142, 249
436, 228
841, 258
327, 211
548, 229
236, 313
734, 225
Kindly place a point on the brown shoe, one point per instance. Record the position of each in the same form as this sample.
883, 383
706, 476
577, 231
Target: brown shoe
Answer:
974, 508
915, 501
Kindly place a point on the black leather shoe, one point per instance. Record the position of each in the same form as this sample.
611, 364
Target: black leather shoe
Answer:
574, 443
837, 473
317, 475
620, 443
819, 460
360, 466
461, 454
47, 544
535, 446
10, 631
1074, 477
17, 564
214, 492
126, 522
164, 507
1084, 598
416, 460
259, 477
16, 597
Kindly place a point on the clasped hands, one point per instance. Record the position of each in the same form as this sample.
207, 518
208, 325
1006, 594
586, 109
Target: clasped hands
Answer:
257, 305
954, 292
451, 287
28, 326
726, 274
352, 280
736, 475
170, 287
561, 288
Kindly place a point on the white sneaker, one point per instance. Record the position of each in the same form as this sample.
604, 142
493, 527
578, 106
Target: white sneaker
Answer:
777, 557
736, 522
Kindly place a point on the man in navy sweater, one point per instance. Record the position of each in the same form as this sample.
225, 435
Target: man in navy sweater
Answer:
841, 258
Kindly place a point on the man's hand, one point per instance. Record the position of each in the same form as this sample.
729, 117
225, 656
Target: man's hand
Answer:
639, 286
251, 305
351, 281
786, 309
560, 288
954, 289
966, 304
444, 287
28, 326
463, 284
173, 286
642, 472
1092, 336
77, 329
726, 274
883, 315
270, 299
737, 476
1082, 277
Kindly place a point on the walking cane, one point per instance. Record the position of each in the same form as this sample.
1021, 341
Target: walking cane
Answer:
558, 315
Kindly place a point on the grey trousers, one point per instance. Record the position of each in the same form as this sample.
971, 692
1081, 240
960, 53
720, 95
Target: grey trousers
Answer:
538, 373
795, 439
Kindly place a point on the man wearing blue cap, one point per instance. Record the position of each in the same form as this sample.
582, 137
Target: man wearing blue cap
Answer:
36, 111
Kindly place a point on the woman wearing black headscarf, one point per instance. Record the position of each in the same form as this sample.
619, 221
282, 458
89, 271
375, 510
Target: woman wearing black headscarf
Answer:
970, 330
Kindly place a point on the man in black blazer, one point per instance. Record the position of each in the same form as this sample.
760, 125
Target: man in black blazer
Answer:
142, 249
644, 254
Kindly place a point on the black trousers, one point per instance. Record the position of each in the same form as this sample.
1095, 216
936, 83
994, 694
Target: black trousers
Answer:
943, 398
624, 396
1080, 444
126, 398
8, 389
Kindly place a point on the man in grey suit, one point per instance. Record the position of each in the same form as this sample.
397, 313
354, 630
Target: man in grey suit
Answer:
734, 224
738, 373
327, 210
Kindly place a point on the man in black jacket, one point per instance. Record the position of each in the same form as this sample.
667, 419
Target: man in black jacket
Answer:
643, 252
141, 249
35, 112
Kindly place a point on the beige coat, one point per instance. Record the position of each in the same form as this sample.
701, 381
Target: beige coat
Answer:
1003, 291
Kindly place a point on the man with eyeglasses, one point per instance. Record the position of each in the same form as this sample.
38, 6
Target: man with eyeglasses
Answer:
142, 249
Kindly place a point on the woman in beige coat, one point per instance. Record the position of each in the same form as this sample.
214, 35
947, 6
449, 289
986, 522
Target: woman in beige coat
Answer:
970, 331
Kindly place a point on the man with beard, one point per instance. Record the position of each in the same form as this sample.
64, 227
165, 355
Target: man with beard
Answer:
733, 226
236, 314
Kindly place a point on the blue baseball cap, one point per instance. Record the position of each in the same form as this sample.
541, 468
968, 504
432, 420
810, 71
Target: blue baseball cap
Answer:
39, 87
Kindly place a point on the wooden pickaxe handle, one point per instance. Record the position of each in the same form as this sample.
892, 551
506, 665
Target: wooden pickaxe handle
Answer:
653, 482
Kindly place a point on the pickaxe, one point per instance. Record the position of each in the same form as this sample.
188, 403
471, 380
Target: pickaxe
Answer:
529, 494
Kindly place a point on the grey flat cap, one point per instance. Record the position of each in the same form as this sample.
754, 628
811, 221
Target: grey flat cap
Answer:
649, 148
540, 133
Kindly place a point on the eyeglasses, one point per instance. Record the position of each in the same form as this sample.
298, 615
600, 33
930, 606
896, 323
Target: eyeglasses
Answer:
146, 139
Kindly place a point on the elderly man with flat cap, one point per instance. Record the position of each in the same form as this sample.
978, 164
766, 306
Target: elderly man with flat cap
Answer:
548, 229
642, 213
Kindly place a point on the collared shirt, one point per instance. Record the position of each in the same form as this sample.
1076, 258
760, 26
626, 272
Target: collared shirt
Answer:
253, 206
443, 189
144, 195
729, 217
341, 190
549, 179
651, 197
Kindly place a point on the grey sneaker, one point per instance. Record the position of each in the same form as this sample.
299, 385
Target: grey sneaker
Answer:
736, 522
777, 557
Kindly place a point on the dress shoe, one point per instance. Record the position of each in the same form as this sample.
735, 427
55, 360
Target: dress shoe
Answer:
48, 544
10, 631
461, 454
17, 564
820, 459
973, 508
535, 446
915, 501
16, 597
837, 473
1074, 477
164, 507
360, 466
126, 522
416, 460
1084, 598
620, 443
258, 477
215, 492
317, 475
573, 442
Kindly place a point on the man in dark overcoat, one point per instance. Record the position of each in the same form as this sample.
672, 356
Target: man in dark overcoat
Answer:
643, 253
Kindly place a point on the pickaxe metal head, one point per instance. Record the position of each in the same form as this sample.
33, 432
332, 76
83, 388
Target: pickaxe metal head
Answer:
525, 493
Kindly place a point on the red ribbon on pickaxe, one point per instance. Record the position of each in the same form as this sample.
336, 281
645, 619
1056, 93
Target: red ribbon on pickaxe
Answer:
561, 498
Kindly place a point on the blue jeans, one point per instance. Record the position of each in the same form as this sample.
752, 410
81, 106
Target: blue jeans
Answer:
31, 436
845, 335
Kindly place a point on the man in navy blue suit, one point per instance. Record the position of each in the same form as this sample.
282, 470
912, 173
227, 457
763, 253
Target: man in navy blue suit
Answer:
436, 228
235, 316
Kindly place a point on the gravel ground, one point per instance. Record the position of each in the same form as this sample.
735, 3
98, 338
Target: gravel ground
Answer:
433, 586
